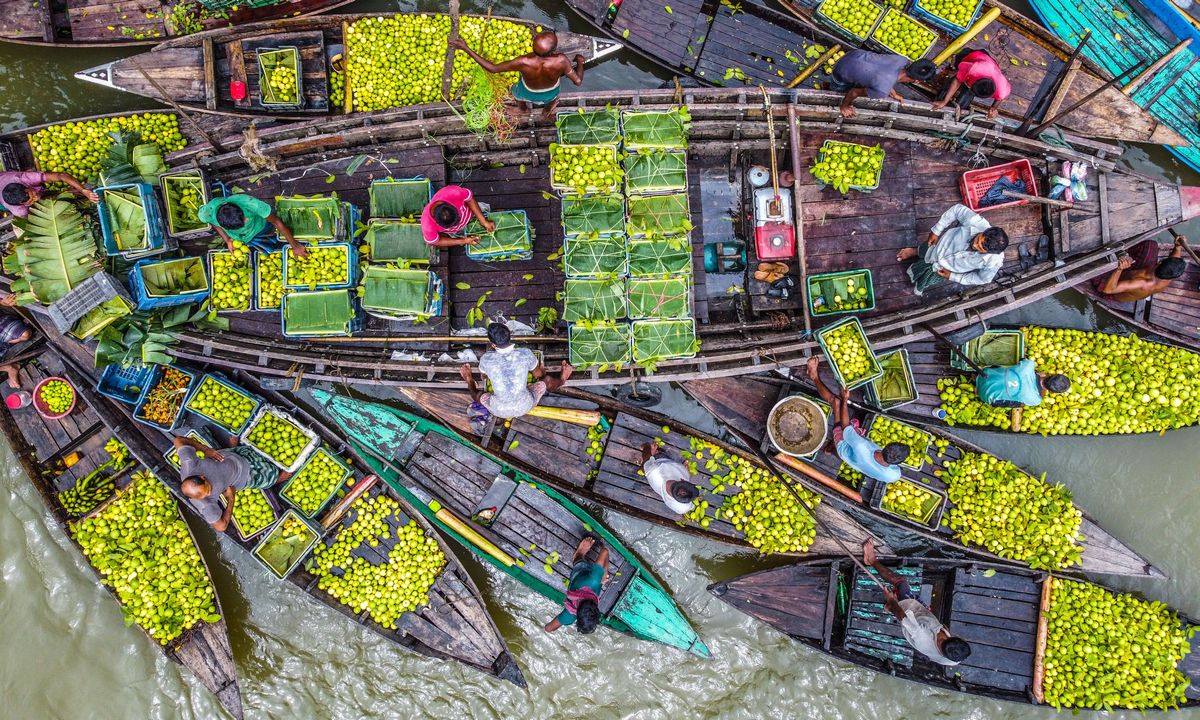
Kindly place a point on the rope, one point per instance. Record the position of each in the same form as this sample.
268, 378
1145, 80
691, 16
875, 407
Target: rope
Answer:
1054, 136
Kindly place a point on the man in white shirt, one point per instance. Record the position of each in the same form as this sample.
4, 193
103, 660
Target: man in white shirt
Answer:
508, 368
670, 479
920, 626
971, 253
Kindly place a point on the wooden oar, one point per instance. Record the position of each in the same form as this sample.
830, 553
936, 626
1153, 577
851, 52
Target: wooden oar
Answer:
1187, 248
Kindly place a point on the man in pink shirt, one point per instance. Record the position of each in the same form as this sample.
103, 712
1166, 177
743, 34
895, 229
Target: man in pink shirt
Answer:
21, 188
978, 76
447, 213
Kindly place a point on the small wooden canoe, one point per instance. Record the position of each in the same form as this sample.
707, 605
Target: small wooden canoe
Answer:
831, 607
557, 453
708, 42
43, 447
112, 23
533, 529
744, 405
197, 71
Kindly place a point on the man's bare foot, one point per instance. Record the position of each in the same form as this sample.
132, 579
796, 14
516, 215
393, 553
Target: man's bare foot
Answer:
14, 383
869, 556
548, 111
464, 371
567, 369
845, 394
811, 366
585, 545
906, 254
284, 476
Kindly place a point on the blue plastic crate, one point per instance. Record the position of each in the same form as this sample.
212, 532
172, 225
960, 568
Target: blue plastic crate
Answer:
146, 302
156, 375
253, 284
347, 327
157, 235
481, 252
351, 268
223, 381
922, 14
124, 383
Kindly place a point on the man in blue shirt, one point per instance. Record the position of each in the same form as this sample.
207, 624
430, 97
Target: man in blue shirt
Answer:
853, 446
1020, 385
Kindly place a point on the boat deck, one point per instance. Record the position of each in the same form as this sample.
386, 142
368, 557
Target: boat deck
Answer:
998, 615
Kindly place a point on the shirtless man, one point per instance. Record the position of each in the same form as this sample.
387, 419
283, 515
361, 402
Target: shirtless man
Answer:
1139, 275
541, 72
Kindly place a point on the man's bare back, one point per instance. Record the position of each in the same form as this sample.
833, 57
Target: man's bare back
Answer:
1130, 284
541, 71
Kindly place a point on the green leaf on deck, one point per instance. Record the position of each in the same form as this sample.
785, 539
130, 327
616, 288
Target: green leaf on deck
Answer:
668, 9
521, 168
1119, 15
331, 179
520, 302
989, 572
625, 33
462, 285
513, 445
527, 276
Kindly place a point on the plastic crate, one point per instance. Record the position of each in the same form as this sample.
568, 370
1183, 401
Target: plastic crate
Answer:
85, 297
205, 195
618, 335
271, 503
579, 264
974, 184
871, 391
392, 240
155, 377
642, 324
575, 211
860, 188
351, 254
284, 572
564, 188
677, 128
919, 455
577, 127
283, 492
156, 237
394, 199
149, 300
659, 311
933, 514
212, 280
487, 250
313, 441
258, 283
224, 382
971, 348
433, 295
172, 457
335, 210
673, 165
842, 32
875, 371
824, 286
879, 44
920, 12
274, 57
124, 383
340, 315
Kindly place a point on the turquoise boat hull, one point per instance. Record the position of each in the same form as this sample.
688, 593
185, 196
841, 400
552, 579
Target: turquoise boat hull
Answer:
644, 609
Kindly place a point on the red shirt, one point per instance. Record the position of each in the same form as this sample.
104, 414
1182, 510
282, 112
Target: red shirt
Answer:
453, 195
979, 65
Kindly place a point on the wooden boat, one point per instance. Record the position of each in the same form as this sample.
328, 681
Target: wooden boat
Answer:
456, 623
1127, 35
831, 607
196, 71
110, 23
741, 331
744, 405
43, 447
451, 482
556, 453
707, 40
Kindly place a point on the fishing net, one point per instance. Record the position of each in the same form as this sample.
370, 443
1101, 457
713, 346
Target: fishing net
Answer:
310, 218
599, 344
595, 256
397, 292
659, 215
593, 300
655, 340
398, 240
589, 128
583, 215
655, 171
324, 312
656, 129
511, 239
483, 105
660, 256
663, 297
393, 198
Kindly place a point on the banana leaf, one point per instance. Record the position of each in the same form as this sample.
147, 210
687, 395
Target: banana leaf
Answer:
655, 171
656, 129
600, 127
659, 215
174, 277
511, 239
129, 160
591, 300
310, 218
127, 218
601, 344
602, 256
100, 317
391, 290
56, 252
660, 256
602, 214
325, 312
391, 198
393, 240
655, 340
663, 297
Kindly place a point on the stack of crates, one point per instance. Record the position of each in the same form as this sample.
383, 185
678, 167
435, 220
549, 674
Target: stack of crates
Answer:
321, 222
398, 284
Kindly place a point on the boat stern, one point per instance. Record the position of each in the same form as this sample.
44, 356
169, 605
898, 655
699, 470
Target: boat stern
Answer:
647, 612
100, 75
1189, 198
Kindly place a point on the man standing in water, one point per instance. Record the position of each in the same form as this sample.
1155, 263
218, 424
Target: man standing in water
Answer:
541, 71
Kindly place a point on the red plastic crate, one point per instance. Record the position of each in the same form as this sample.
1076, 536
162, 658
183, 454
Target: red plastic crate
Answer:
974, 184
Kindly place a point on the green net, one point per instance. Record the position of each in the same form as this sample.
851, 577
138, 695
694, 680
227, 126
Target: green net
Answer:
324, 312
655, 171
510, 240
659, 215
583, 169
174, 277
396, 291
656, 129
660, 256
593, 300
583, 215
397, 240
662, 297
310, 218
279, 76
599, 344
589, 128
655, 340
594, 256
392, 198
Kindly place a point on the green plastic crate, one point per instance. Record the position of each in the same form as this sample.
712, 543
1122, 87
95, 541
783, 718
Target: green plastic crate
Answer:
667, 296
654, 256
392, 198
301, 548
593, 300
600, 344
873, 372
595, 257
346, 470
1011, 341
655, 340
582, 127
268, 60
399, 293
655, 171
830, 286
873, 392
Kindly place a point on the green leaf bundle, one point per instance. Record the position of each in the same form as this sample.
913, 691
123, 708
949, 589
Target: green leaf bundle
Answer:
593, 300
55, 253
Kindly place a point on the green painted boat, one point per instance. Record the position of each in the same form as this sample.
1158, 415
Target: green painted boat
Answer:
518, 525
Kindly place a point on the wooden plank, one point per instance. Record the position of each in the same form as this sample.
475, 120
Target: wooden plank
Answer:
1105, 225
210, 75
1043, 631
237, 72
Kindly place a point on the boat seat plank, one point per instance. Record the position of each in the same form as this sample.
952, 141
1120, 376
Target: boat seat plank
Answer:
539, 447
999, 580
983, 605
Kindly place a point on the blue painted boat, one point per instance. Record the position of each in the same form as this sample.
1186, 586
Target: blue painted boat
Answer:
1125, 34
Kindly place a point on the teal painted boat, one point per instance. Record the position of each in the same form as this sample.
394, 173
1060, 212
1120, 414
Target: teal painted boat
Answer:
1126, 34
518, 525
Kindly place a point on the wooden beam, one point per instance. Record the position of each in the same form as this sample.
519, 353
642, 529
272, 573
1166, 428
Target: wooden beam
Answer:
1105, 225
1149, 72
347, 92
1061, 94
1043, 632
210, 76
798, 214
1083, 101
806, 469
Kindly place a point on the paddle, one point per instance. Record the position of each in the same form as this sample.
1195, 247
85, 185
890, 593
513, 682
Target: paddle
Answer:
1187, 248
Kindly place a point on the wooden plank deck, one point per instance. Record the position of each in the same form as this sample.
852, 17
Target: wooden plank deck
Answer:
871, 629
998, 616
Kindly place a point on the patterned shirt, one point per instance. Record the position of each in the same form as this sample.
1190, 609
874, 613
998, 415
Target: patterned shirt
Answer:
508, 369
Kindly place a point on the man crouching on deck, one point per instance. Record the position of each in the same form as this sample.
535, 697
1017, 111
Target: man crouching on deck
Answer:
971, 253
508, 367
541, 71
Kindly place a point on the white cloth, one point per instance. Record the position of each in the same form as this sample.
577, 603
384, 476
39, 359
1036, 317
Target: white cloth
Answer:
953, 250
659, 472
508, 368
921, 629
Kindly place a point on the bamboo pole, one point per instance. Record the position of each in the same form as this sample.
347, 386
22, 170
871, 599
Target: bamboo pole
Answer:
1043, 633
1149, 72
347, 91
171, 101
798, 212
961, 41
806, 469
448, 64
808, 71
1083, 101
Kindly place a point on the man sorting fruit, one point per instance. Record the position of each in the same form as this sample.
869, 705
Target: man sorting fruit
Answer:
920, 626
508, 367
852, 444
670, 479
1019, 385
971, 253
20, 189
1139, 274
582, 606
447, 214
207, 473
244, 217
862, 72
977, 76
541, 72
